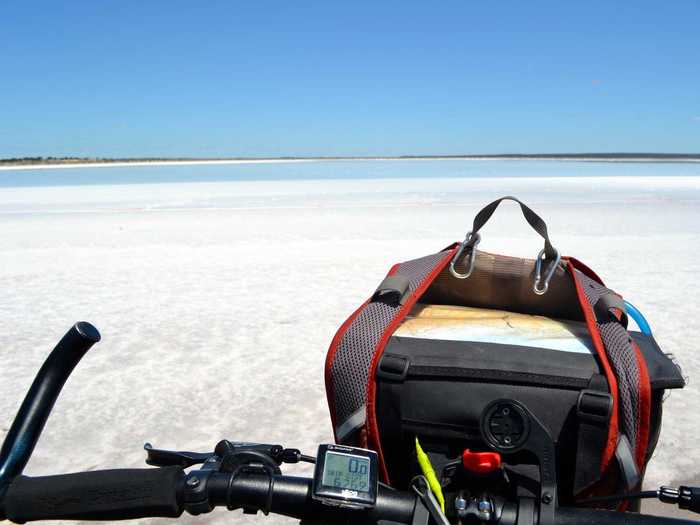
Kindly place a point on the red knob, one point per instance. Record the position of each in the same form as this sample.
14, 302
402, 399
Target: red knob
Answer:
481, 462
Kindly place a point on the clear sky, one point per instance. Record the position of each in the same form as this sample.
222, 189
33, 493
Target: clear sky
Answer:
263, 78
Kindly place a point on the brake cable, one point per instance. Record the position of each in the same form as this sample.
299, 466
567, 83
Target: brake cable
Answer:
618, 497
687, 498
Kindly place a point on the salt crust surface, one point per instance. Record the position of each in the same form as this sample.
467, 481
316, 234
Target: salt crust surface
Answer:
217, 301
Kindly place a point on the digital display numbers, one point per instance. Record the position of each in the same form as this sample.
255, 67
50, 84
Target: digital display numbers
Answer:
345, 477
346, 471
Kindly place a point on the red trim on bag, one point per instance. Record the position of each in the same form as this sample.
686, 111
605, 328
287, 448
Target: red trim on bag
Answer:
333, 348
372, 426
451, 246
644, 409
330, 356
584, 269
591, 322
394, 269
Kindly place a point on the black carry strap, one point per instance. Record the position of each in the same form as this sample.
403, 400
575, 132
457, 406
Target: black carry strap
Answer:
631, 478
606, 305
593, 409
531, 217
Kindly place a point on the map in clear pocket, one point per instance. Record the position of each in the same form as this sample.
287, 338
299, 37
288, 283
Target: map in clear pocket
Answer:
461, 323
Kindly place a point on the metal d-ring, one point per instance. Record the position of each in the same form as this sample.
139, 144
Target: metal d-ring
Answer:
472, 255
550, 272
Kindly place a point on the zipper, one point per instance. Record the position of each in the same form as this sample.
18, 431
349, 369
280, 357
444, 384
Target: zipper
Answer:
495, 376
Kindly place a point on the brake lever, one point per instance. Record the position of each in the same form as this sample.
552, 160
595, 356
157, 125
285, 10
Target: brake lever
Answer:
183, 458
164, 458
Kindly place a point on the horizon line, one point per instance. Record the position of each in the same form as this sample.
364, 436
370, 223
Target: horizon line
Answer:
30, 163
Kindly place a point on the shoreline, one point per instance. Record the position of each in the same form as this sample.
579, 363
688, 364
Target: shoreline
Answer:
198, 162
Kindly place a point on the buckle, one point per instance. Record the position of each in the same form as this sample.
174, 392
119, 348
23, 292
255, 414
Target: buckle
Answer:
594, 406
393, 367
393, 290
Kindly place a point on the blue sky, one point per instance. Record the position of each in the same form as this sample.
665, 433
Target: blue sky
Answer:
262, 78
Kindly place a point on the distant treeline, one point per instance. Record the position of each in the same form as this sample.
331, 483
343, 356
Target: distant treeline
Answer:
75, 160
669, 157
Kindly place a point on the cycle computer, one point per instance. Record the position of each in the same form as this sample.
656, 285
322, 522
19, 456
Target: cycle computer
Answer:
345, 476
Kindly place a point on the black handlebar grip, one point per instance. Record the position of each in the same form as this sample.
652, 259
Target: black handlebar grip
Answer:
99, 495
689, 498
572, 516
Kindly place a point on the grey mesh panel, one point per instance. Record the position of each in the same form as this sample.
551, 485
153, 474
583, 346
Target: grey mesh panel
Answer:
353, 357
623, 360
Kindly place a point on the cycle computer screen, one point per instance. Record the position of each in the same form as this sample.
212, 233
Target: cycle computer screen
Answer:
345, 476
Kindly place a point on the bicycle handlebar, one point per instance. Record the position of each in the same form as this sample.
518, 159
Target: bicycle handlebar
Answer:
98, 495
37, 405
161, 492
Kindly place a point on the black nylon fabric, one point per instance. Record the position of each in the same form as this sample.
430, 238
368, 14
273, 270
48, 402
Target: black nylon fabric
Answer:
353, 358
531, 217
591, 441
623, 360
608, 305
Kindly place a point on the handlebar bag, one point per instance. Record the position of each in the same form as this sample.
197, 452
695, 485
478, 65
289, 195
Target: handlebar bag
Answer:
445, 334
